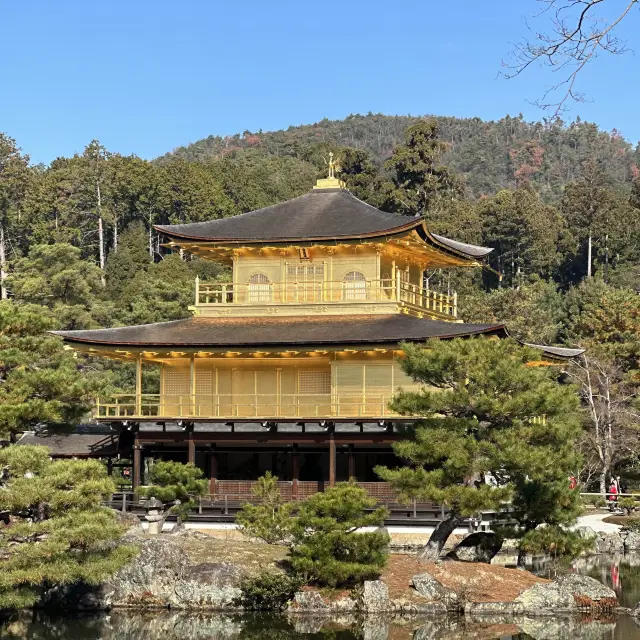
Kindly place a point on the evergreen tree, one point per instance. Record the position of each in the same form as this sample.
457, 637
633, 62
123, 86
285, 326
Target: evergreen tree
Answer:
529, 237
175, 484
15, 180
270, 519
54, 275
533, 312
485, 412
40, 381
131, 259
59, 534
327, 547
421, 183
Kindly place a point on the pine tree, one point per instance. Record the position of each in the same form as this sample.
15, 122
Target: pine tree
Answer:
485, 412
58, 534
327, 546
175, 484
54, 275
40, 381
270, 519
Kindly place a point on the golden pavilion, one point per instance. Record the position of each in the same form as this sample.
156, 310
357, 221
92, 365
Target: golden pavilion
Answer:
290, 366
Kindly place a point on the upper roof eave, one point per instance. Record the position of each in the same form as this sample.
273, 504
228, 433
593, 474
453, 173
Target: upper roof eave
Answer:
412, 224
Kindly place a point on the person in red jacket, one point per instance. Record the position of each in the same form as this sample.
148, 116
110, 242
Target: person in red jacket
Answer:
613, 495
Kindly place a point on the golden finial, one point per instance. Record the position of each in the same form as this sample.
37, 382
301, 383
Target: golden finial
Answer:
330, 182
332, 165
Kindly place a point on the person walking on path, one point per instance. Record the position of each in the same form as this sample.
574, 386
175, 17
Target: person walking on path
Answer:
613, 495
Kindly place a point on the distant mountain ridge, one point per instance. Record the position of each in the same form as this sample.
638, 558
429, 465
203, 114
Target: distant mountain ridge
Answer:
490, 154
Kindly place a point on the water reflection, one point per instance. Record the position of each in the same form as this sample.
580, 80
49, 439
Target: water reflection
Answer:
622, 573
162, 625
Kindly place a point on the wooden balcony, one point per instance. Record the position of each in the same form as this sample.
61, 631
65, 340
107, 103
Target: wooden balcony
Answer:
258, 406
324, 295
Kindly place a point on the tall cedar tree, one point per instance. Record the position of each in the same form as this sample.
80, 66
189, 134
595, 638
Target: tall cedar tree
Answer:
326, 545
421, 184
482, 408
58, 533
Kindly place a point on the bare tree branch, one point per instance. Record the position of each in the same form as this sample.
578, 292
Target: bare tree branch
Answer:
576, 35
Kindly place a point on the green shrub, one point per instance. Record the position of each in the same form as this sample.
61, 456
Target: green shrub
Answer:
597, 501
270, 519
627, 504
268, 590
632, 524
176, 485
327, 547
556, 541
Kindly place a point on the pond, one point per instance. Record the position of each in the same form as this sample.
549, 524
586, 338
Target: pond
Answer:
622, 573
130, 625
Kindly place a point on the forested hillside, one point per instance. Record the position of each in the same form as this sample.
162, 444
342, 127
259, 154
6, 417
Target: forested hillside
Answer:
559, 204
490, 155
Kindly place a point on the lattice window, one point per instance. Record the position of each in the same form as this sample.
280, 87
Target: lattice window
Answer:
349, 378
306, 272
378, 377
314, 381
205, 381
401, 379
259, 287
355, 286
176, 381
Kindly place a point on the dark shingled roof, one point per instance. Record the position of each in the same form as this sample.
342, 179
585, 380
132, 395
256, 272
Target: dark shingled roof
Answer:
556, 352
254, 332
321, 214
92, 441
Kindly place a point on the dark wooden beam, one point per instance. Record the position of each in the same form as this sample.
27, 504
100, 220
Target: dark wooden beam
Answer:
332, 459
135, 480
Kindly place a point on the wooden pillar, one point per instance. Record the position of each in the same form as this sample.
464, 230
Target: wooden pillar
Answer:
135, 476
139, 384
109, 467
192, 384
352, 463
192, 448
295, 472
332, 460
213, 471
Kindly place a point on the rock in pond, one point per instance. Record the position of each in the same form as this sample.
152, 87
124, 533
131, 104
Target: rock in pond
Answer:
163, 576
480, 546
309, 601
632, 541
566, 593
375, 596
606, 543
426, 585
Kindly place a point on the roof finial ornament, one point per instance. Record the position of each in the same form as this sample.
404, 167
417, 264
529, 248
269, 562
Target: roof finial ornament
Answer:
332, 165
331, 181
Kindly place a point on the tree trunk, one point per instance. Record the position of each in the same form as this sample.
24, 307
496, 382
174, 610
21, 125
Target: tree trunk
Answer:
439, 537
150, 244
603, 481
115, 235
100, 232
3, 265
520, 562
589, 250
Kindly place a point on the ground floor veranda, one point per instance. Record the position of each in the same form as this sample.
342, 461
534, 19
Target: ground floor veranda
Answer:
306, 459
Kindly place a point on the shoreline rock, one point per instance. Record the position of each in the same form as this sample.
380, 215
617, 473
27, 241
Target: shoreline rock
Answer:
162, 576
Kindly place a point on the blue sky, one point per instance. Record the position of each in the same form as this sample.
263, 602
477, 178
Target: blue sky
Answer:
146, 76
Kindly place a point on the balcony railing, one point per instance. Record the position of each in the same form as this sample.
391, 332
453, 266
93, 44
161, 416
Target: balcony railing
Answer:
259, 406
291, 293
